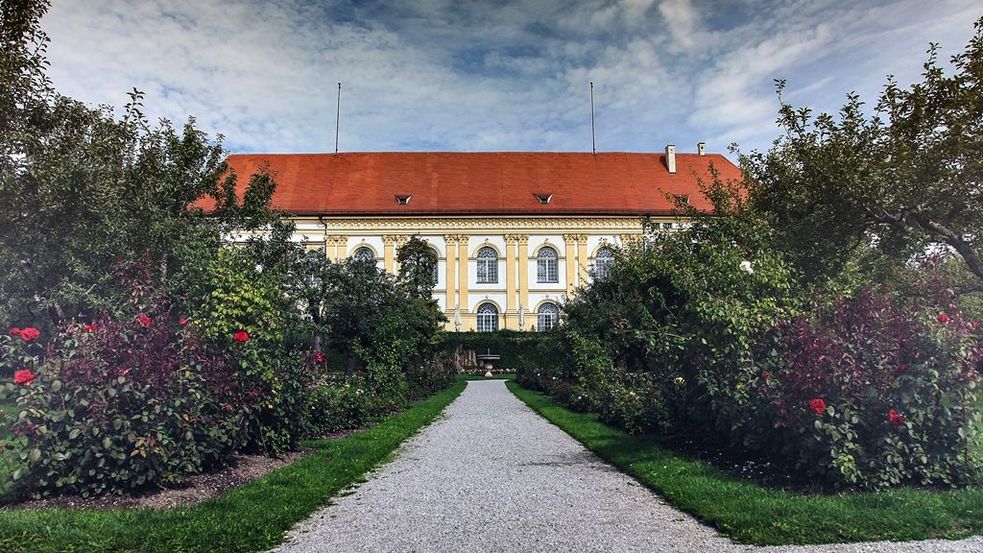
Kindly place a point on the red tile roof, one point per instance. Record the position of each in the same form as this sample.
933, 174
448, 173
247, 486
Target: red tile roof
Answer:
499, 183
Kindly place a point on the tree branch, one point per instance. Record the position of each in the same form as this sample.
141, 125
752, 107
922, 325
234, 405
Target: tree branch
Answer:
953, 239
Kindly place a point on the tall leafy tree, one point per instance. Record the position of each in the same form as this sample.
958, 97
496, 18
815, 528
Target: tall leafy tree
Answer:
901, 182
82, 188
417, 267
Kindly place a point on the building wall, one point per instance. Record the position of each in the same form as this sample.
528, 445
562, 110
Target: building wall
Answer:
517, 240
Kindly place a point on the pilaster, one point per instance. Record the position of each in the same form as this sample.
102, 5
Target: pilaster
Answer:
462, 265
630, 239
522, 241
582, 260
569, 253
450, 275
334, 246
511, 271
389, 249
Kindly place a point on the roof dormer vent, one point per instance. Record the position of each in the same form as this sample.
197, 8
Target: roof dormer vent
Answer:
543, 199
403, 199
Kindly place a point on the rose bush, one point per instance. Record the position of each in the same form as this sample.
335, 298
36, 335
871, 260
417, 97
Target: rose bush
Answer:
126, 405
873, 391
705, 332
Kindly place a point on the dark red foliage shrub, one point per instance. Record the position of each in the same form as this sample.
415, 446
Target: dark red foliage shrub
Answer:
873, 392
117, 405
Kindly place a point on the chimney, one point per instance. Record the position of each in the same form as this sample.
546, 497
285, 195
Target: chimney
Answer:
701, 148
671, 158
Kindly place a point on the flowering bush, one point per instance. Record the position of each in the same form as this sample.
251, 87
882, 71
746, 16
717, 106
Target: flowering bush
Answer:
341, 405
702, 332
234, 303
871, 392
241, 309
115, 406
19, 348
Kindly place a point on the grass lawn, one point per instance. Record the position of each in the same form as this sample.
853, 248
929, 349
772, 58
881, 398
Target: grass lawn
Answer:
749, 513
250, 518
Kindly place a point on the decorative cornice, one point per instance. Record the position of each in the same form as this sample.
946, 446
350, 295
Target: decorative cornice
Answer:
438, 225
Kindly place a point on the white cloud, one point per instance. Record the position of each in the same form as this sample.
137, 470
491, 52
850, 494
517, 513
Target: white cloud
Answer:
511, 75
681, 18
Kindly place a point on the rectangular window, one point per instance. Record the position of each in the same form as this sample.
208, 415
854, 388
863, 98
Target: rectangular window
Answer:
546, 270
487, 271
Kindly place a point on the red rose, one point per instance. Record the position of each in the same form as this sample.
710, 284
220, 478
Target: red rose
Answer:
23, 377
92, 327
319, 357
241, 336
145, 320
817, 405
15, 331
943, 318
183, 321
766, 375
30, 334
895, 418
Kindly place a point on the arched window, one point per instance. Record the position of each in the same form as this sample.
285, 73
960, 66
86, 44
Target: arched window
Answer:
487, 266
487, 317
436, 265
603, 262
546, 264
547, 316
363, 254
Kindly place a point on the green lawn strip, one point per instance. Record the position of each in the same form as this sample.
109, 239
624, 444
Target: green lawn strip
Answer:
250, 518
749, 513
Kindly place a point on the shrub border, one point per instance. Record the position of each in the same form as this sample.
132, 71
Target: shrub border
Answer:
251, 518
752, 514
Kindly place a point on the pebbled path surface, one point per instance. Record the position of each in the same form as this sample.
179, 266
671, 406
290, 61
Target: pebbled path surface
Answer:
492, 475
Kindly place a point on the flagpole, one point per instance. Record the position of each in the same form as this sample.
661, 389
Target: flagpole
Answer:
337, 120
593, 143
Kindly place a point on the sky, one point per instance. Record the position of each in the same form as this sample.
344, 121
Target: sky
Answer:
505, 75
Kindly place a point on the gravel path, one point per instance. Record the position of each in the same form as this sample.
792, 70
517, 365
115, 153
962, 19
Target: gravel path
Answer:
494, 476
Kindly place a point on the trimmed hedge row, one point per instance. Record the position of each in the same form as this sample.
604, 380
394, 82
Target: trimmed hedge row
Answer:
518, 349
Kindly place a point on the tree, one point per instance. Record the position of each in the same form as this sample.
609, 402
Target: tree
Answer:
83, 190
901, 182
417, 268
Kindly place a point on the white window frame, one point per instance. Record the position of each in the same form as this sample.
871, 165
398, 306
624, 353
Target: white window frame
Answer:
547, 266
603, 261
547, 316
487, 260
487, 316
363, 253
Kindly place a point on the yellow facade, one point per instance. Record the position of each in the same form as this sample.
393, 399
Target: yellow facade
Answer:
517, 292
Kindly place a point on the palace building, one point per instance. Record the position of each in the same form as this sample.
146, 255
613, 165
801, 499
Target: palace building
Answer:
515, 232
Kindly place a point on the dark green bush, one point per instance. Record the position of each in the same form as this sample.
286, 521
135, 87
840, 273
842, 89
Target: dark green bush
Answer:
425, 379
518, 349
342, 405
